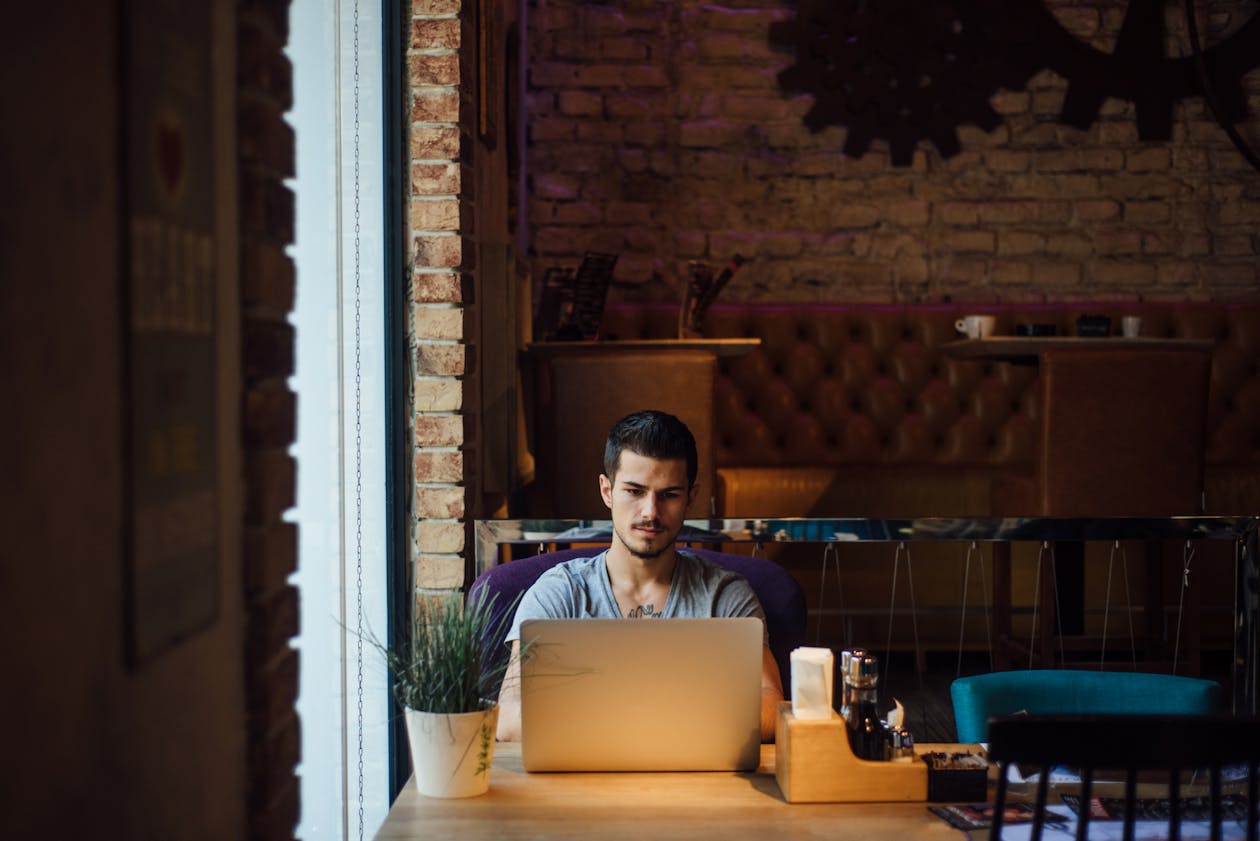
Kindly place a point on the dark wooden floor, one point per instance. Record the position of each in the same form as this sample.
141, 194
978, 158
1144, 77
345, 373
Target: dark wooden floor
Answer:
929, 712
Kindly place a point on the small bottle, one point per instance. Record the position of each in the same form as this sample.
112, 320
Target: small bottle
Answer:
866, 731
846, 682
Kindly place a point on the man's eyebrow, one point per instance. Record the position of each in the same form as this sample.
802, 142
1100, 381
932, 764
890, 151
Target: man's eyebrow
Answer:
645, 487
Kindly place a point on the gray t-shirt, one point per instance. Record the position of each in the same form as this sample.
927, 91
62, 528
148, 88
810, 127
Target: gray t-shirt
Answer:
579, 589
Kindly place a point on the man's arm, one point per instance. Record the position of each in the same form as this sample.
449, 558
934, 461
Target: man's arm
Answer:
510, 699
771, 695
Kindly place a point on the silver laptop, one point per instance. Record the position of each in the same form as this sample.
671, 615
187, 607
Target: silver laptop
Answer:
644, 695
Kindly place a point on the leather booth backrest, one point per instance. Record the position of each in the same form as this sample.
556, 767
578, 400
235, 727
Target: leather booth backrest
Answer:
839, 385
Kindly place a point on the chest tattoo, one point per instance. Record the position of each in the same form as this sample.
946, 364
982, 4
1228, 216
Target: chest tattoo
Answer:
644, 611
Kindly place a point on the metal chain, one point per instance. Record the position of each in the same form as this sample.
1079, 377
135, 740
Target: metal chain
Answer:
358, 437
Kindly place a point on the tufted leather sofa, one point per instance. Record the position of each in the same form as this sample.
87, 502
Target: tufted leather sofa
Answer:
854, 409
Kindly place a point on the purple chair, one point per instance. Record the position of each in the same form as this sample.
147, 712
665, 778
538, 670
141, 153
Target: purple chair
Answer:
780, 595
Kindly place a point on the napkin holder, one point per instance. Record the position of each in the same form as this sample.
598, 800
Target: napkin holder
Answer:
813, 763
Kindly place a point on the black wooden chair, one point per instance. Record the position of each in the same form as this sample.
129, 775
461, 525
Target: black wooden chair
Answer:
1130, 744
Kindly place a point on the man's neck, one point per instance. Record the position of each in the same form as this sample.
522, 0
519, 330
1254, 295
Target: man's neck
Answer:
632, 572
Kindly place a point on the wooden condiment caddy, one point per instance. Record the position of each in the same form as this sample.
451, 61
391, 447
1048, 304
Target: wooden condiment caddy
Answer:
813, 763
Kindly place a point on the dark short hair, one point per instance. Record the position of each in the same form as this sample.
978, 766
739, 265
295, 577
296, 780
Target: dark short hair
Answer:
653, 434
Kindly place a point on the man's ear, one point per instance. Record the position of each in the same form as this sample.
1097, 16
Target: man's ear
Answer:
691, 494
605, 490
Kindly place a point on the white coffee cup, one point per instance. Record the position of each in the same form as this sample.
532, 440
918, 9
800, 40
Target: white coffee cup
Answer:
1130, 326
976, 326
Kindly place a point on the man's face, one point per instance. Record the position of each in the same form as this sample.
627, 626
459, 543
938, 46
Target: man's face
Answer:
648, 498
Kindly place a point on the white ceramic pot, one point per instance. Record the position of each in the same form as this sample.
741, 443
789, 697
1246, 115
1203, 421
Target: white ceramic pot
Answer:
451, 753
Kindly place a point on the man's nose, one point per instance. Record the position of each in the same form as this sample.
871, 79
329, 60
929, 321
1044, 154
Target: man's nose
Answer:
649, 506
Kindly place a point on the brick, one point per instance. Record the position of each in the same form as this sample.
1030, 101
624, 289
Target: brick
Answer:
1047, 102
435, 34
437, 179
1239, 212
426, 70
263, 137
269, 416
1081, 21
980, 242
1130, 275
438, 538
599, 132
909, 213
435, 215
436, 251
554, 186
550, 129
855, 216
270, 486
1009, 103
270, 557
270, 625
709, 133
439, 503
438, 394
438, 288
1117, 241
439, 571
438, 465
1007, 211
1020, 242
1147, 212
262, 67
1233, 245
779, 244
628, 213
580, 104
266, 206
1069, 245
437, 322
435, 105
1010, 272
438, 430
1007, 160
267, 349
436, 7
272, 693
1097, 210
644, 132
1153, 243
430, 142
267, 277
1102, 159
1148, 160
1056, 275
957, 213
441, 359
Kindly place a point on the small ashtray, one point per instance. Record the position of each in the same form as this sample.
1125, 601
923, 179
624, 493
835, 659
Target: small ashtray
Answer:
956, 777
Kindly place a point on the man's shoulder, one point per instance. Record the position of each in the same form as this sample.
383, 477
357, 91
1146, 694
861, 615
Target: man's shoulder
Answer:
575, 568
708, 569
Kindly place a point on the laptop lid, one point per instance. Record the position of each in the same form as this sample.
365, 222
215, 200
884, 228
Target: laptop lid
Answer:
648, 695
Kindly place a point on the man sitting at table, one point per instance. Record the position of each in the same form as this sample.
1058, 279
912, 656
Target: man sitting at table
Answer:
649, 481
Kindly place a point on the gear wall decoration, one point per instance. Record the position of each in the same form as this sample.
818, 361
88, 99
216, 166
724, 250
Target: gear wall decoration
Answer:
905, 71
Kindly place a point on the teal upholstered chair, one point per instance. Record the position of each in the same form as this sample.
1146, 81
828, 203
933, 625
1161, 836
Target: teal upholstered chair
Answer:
1075, 692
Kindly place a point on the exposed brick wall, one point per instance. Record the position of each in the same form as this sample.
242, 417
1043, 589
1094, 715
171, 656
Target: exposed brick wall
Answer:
439, 62
658, 131
266, 149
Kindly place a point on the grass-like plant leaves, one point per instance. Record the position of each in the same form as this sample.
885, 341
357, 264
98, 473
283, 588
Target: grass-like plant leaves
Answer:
445, 668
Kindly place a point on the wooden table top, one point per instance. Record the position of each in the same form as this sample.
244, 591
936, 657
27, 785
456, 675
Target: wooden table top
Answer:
677, 805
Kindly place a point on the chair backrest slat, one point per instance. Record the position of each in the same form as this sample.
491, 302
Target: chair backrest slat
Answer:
1132, 743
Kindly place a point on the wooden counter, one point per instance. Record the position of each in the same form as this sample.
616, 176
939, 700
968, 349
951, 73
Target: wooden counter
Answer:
709, 805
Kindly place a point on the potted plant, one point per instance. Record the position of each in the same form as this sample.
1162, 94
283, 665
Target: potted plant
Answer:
442, 678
